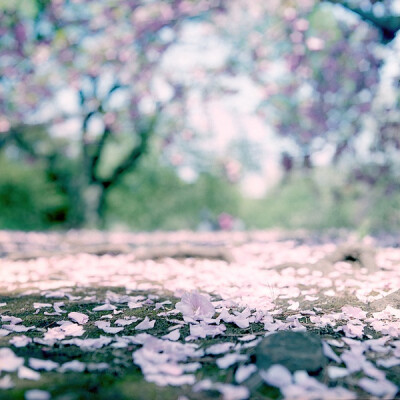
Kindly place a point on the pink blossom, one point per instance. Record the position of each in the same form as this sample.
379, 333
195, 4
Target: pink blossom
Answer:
195, 305
352, 330
354, 312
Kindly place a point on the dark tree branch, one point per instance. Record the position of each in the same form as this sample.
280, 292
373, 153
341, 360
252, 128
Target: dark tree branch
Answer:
4, 137
22, 144
128, 163
94, 162
86, 119
16, 134
84, 142
87, 160
113, 89
97, 155
135, 154
388, 26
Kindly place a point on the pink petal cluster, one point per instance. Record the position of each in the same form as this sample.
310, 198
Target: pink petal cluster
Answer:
195, 305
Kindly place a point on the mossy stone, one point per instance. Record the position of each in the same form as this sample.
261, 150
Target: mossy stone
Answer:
294, 350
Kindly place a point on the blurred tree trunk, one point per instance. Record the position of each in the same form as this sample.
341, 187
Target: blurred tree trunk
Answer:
79, 179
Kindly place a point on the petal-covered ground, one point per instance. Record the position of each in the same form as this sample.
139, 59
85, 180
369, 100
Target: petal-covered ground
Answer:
94, 315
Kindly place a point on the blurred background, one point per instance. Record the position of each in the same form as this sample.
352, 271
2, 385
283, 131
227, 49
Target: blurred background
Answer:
200, 114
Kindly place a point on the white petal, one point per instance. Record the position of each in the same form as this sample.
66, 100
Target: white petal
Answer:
337, 372
378, 388
277, 375
244, 372
113, 330
36, 394
232, 392
6, 382
20, 341
39, 364
12, 320
75, 365
230, 359
330, 353
241, 322
78, 317
219, 348
42, 305
18, 328
173, 335
105, 307
247, 338
388, 362
125, 322
72, 329
27, 373
9, 361
145, 324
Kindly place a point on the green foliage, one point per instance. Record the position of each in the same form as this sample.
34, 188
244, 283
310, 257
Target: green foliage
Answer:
153, 197
321, 21
28, 8
27, 199
295, 204
324, 199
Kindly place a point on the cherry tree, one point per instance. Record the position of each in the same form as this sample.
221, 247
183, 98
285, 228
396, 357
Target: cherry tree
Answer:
82, 89
82, 85
383, 16
319, 69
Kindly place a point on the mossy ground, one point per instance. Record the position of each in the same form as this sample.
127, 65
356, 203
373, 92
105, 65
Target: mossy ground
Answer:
123, 379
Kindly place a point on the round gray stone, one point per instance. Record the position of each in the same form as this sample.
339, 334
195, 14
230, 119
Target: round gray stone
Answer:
294, 350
